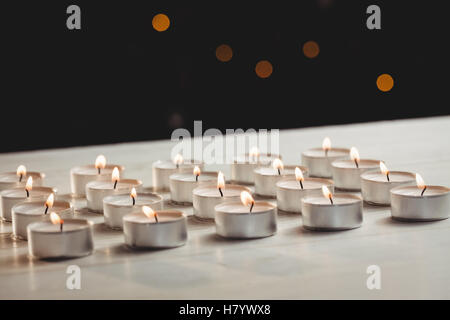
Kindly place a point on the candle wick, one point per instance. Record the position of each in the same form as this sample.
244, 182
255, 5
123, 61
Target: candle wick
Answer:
326, 152
356, 162
20, 178
61, 227
28, 193
387, 176
156, 218
196, 178
99, 170
301, 183
134, 201
221, 193
177, 165
251, 207
331, 200
279, 172
425, 188
115, 184
46, 209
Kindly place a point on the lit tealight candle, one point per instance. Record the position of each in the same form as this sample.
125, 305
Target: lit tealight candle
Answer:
10, 180
266, 178
206, 197
11, 197
421, 202
376, 185
318, 160
332, 212
291, 190
155, 229
347, 173
28, 212
115, 207
182, 184
162, 170
246, 219
243, 166
82, 175
58, 238
97, 190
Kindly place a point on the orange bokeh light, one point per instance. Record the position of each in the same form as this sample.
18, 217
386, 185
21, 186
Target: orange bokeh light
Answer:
385, 82
224, 53
160, 22
311, 49
263, 69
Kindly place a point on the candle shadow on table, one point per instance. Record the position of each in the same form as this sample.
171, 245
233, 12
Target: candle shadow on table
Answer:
400, 223
102, 228
123, 249
7, 241
214, 238
88, 215
193, 221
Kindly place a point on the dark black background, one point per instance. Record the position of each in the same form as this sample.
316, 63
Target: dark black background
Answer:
117, 79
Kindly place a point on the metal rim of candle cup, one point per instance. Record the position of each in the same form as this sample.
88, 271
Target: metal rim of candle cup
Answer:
400, 196
88, 223
69, 210
37, 188
158, 171
132, 182
282, 175
246, 157
158, 199
327, 182
227, 186
354, 225
270, 216
92, 166
338, 149
394, 184
34, 174
334, 167
212, 174
319, 165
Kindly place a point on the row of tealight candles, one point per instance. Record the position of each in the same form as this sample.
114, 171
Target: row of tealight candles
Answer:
51, 230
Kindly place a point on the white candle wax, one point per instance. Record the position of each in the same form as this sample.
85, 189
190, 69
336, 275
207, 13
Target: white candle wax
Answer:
318, 213
82, 175
347, 176
182, 185
10, 180
97, 190
11, 197
205, 198
162, 170
25, 213
243, 166
375, 187
115, 207
169, 231
266, 179
46, 240
234, 220
319, 162
290, 193
408, 203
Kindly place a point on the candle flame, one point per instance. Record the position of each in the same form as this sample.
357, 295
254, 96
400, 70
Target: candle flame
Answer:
149, 212
326, 144
326, 192
178, 159
383, 168
254, 152
115, 176
420, 182
246, 198
354, 154
277, 164
29, 184
220, 180
55, 218
299, 174
50, 200
21, 170
197, 171
133, 193
100, 162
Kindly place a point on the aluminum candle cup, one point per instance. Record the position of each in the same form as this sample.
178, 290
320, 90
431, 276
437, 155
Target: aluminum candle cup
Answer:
266, 179
10, 180
290, 193
46, 240
234, 220
115, 207
205, 198
9, 198
319, 162
375, 188
28, 212
141, 231
82, 175
319, 214
347, 176
162, 170
243, 167
407, 204
182, 185
97, 190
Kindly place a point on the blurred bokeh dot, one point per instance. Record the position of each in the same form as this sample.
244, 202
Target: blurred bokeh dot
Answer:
175, 120
385, 82
311, 49
224, 53
160, 22
263, 69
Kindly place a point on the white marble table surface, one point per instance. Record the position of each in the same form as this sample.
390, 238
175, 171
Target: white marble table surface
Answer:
294, 264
